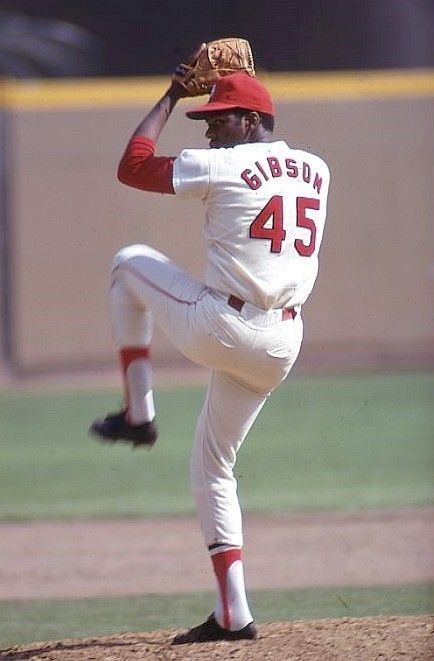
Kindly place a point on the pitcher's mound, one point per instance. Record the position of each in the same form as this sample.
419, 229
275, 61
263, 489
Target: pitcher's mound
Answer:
341, 639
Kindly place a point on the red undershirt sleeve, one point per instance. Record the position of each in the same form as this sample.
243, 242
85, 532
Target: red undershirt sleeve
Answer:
139, 168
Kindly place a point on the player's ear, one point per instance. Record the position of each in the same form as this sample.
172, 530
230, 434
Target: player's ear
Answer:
253, 120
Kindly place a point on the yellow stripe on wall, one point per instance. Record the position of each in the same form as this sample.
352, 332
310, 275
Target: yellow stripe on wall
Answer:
103, 92
81, 93
351, 84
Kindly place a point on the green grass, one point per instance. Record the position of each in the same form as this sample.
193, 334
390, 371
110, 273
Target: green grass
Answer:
53, 619
345, 442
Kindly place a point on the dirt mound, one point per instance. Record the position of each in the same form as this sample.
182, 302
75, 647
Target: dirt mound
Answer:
341, 639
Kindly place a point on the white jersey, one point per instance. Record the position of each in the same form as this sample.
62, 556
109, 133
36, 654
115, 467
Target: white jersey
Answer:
265, 213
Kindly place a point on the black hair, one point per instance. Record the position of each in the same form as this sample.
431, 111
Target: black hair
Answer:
267, 121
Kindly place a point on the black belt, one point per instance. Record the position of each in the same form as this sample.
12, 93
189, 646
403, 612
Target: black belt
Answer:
238, 304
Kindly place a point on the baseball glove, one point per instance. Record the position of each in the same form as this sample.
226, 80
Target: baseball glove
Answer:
213, 60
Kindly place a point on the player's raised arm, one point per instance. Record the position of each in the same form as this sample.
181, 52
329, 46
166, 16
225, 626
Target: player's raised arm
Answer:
138, 167
152, 125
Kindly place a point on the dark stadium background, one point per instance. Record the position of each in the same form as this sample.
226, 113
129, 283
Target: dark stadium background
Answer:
142, 37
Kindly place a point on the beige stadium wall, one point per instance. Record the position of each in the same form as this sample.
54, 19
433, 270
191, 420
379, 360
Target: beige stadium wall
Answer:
373, 304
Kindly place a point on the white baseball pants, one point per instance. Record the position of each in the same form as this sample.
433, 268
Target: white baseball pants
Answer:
249, 353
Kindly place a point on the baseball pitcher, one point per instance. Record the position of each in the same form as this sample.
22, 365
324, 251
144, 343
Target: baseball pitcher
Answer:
264, 213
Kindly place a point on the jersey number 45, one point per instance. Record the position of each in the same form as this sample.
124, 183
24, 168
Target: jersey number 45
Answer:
275, 233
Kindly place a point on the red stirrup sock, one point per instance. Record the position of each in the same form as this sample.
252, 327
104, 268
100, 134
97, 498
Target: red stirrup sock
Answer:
232, 610
137, 377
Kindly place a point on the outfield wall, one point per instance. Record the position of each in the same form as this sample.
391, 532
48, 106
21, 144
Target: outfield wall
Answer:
67, 215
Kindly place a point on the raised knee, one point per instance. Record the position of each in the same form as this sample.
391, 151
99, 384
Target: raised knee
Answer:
126, 254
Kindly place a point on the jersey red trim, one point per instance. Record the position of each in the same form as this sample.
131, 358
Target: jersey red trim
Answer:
139, 168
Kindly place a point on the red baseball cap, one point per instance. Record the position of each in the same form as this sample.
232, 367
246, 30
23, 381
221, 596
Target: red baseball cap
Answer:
238, 90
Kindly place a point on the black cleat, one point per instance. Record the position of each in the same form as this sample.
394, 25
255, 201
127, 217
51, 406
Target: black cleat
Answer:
114, 428
210, 630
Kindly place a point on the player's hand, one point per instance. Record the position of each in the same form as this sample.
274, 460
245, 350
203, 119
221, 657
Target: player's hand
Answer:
184, 71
